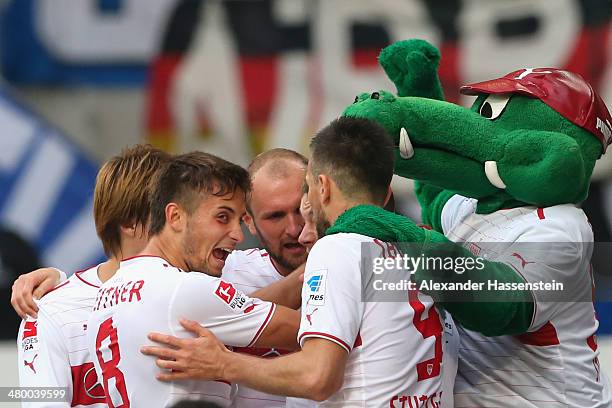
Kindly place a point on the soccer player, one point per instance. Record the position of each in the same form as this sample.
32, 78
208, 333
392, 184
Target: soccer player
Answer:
273, 216
353, 353
309, 235
450, 337
52, 348
197, 206
273, 206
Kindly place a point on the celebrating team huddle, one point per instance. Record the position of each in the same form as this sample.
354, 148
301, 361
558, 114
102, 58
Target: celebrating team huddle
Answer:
150, 292
178, 313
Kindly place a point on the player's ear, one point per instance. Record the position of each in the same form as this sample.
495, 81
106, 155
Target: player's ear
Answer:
248, 220
128, 230
324, 188
176, 217
389, 203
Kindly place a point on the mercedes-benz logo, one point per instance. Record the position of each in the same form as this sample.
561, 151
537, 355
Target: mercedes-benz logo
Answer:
93, 388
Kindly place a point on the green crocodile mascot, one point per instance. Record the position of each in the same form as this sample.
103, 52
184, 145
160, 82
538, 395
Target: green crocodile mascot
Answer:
500, 182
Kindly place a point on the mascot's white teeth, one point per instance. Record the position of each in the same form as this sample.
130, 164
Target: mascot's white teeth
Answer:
405, 146
493, 175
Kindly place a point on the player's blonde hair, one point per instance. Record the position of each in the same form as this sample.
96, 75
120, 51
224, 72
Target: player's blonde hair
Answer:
277, 162
122, 196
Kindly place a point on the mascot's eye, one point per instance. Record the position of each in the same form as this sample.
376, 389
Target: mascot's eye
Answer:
356, 99
494, 105
375, 95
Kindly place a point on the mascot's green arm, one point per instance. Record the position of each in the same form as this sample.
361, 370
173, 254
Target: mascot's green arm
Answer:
432, 200
412, 65
511, 313
492, 313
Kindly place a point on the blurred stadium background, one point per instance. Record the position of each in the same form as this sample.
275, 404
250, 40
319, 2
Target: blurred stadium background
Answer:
80, 79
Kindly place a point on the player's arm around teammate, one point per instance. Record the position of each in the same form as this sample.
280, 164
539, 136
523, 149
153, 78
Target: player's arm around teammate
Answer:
285, 292
316, 372
31, 286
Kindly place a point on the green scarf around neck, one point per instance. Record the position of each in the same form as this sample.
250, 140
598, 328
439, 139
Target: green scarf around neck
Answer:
376, 222
512, 316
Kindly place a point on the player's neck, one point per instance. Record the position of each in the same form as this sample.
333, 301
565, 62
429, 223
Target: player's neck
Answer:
167, 249
107, 269
340, 205
282, 271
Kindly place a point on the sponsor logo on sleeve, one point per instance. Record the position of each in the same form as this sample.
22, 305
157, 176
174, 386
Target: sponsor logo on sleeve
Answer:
316, 287
29, 341
234, 298
522, 260
309, 315
226, 292
30, 363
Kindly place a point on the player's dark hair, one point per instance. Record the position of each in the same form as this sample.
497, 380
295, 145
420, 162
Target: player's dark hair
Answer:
187, 176
358, 156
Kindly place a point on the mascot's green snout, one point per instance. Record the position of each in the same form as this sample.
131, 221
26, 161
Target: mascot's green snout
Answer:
501, 183
528, 138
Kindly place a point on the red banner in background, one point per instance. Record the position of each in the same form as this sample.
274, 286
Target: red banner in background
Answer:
257, 74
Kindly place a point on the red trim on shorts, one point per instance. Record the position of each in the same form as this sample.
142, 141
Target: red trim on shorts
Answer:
58, 286
335, 339
263, 326
544, 336
541, 213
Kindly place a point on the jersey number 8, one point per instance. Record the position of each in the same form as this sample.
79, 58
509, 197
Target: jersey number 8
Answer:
114, 382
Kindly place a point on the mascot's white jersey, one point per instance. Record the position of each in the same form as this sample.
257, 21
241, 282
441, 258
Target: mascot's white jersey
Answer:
554, 364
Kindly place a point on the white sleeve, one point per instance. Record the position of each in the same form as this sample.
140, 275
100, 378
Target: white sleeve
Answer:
547, 254
331, 294
43, 358
233, 317
456, 209
62, 276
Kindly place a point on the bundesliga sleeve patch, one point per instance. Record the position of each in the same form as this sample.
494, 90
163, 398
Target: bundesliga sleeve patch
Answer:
29, 340
316, 287
235, 299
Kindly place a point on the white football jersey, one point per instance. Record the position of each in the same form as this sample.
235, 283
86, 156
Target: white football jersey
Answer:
554, 364
249, 271
149, 295
395, 349
450, 348
53, 348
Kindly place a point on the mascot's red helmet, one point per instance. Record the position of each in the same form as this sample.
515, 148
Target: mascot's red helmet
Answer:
567, 93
